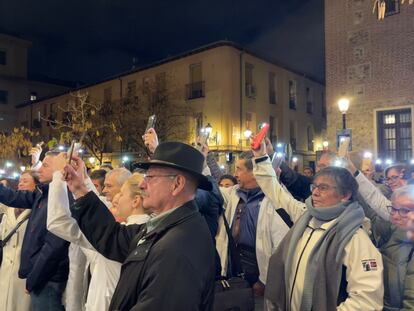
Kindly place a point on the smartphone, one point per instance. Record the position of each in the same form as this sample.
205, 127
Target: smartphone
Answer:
151, 122
71, 150
257, 140
343, 147
277, 160
202, 139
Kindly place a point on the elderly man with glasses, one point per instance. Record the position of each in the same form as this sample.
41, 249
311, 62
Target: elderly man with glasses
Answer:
168, 263
389, 225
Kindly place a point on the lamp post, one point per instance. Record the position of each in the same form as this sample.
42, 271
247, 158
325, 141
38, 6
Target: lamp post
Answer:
343, 105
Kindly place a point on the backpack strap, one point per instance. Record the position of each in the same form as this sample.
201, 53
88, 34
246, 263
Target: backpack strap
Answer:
285, 217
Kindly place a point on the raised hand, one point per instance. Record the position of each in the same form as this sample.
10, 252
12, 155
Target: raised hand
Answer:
75, 177
150, 140
35, 153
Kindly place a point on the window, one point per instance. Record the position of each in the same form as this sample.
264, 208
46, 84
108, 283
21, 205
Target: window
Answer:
250, 89
272, 88
3, 97
323, 106
392, 7
272, 129
394, 134
309, 100
195, 89
161, 87
310, 138
292, 94
131, 89
3, 58
292, 134
107, 95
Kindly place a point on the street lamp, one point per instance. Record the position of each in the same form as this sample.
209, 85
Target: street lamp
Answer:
209, 128
247, 133
343, 105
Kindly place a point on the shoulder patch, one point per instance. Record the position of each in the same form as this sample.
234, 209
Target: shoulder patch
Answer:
369, 265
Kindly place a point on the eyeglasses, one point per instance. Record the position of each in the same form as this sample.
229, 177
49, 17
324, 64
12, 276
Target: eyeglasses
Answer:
147, 177
392, 178
403, 212
321, 187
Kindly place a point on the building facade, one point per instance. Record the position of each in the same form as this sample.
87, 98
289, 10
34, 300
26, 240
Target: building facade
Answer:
15, 86
227, 87
370, 62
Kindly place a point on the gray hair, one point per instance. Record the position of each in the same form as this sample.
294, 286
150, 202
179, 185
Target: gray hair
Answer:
345, 182
247, 156
121, 173
406, 191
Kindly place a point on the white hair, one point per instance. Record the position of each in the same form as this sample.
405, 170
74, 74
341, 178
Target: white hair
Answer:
122, 174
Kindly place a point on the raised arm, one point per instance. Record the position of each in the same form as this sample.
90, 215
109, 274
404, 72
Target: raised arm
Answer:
371, 194
108, 237
267, 180
59, 219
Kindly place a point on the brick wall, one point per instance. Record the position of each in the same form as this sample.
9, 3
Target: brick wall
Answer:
369, 61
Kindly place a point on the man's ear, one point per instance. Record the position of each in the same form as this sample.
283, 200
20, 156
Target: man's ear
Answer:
178, 184
347, 197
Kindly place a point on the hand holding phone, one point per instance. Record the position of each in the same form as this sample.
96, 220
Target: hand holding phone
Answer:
151, 123
343, 147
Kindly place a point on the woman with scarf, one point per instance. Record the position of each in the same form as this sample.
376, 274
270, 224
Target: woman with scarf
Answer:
326, 261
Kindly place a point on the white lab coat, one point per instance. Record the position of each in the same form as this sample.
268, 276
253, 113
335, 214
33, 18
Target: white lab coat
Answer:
104, 272
365, 288
373, 197
270, 230
12, 288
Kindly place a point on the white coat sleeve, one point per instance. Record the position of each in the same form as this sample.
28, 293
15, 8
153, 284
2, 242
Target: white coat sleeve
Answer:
59, 220
280, 198
373, 197
364, 269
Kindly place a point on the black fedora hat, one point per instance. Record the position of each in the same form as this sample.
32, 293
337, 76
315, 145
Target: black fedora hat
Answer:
180, 156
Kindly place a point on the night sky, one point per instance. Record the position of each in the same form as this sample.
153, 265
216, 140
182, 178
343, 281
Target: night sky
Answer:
87, 40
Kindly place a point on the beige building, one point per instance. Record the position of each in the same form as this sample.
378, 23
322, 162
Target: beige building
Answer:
230, 89
15, 86
370, 61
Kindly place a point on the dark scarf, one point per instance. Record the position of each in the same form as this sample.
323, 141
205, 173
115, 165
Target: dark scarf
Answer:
324, 263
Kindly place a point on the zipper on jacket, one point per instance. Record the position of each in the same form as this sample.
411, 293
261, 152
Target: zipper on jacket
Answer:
297, 267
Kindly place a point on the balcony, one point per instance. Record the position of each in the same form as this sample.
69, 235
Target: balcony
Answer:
195, 90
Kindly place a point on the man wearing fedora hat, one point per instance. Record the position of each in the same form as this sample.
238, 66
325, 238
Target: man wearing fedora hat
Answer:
168, 263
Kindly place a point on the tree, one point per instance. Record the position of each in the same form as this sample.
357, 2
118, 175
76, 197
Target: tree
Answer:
159, 96
88, 120
16, 144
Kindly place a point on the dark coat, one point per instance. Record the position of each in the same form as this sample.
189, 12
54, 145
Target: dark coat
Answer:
44, 256
170, 268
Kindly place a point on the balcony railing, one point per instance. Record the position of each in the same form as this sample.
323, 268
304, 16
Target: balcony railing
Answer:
195, 90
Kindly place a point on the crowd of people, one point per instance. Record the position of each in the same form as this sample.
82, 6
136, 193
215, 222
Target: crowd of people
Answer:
162, 236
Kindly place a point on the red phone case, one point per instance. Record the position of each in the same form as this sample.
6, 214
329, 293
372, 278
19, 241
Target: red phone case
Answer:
259, 137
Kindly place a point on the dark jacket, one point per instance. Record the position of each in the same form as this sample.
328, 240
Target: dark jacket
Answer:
44, 256
297, 184
210, 204
170, 268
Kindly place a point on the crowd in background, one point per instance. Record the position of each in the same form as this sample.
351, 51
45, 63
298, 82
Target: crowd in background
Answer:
159, 237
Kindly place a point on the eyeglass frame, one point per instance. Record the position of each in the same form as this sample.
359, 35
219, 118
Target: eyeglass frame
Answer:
392, 178
393, 210
328, 187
